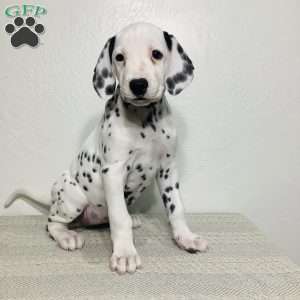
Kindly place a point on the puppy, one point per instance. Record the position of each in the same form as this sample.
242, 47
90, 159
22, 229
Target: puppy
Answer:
133, 144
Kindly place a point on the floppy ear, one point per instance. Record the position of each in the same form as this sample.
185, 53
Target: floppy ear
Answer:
103, 79
180, 69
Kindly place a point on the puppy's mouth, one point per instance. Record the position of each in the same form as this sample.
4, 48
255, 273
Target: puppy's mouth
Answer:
139, 101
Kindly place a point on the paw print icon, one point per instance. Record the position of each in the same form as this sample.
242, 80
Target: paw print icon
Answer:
24, 32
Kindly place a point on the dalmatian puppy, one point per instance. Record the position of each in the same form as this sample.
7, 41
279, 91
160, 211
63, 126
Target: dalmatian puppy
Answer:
133, 144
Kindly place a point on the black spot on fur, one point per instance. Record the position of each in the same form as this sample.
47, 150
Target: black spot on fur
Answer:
109, 90
186, 58
161, 173
143, 176
139, 168
177, 185
98, 161
49, 220
165, 199
179, 48
85, 188
94, 170
172, 207
104, 171
104, 73
99, 82
168, 40
153, 126
78, 210
188, 69
128, 168
117, 111
170, 83
178, 91
143, 135
179, 77
111, 47
168, 154
168, 189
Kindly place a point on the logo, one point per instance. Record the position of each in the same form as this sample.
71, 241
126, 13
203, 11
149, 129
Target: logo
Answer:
24, 29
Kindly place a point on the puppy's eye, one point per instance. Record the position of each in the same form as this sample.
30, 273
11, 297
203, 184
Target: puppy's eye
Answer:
156, 54
119, 57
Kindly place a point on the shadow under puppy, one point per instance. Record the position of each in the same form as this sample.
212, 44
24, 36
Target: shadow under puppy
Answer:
133, 143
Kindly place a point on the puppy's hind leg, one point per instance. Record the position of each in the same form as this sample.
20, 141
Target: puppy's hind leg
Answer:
68, 202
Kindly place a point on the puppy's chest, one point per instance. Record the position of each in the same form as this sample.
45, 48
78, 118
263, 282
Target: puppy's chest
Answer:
154, 141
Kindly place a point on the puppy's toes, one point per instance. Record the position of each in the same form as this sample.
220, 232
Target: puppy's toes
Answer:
70, 240
201, 244
67, 243
131, 264
125, 264
79, 240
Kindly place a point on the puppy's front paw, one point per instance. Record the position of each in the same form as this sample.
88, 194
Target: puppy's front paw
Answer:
191, 242
125, 258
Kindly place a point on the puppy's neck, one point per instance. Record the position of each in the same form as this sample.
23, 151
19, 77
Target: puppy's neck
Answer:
145, 115
139, 115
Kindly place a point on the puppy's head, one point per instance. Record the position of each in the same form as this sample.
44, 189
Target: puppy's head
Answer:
145, 61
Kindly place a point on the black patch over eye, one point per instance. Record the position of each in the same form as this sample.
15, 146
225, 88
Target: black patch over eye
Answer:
119, 57
156, 54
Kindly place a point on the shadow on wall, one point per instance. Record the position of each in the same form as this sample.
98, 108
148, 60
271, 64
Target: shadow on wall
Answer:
150, 200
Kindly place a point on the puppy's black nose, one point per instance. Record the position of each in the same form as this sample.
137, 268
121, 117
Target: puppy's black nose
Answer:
138, 86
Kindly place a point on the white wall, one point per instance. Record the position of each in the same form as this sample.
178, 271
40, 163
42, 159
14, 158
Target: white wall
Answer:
238, 122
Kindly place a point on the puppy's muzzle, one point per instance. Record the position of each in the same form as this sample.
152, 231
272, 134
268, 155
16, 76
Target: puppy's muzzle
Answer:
138, 86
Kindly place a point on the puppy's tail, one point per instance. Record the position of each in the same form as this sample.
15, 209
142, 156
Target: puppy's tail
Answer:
42, 205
